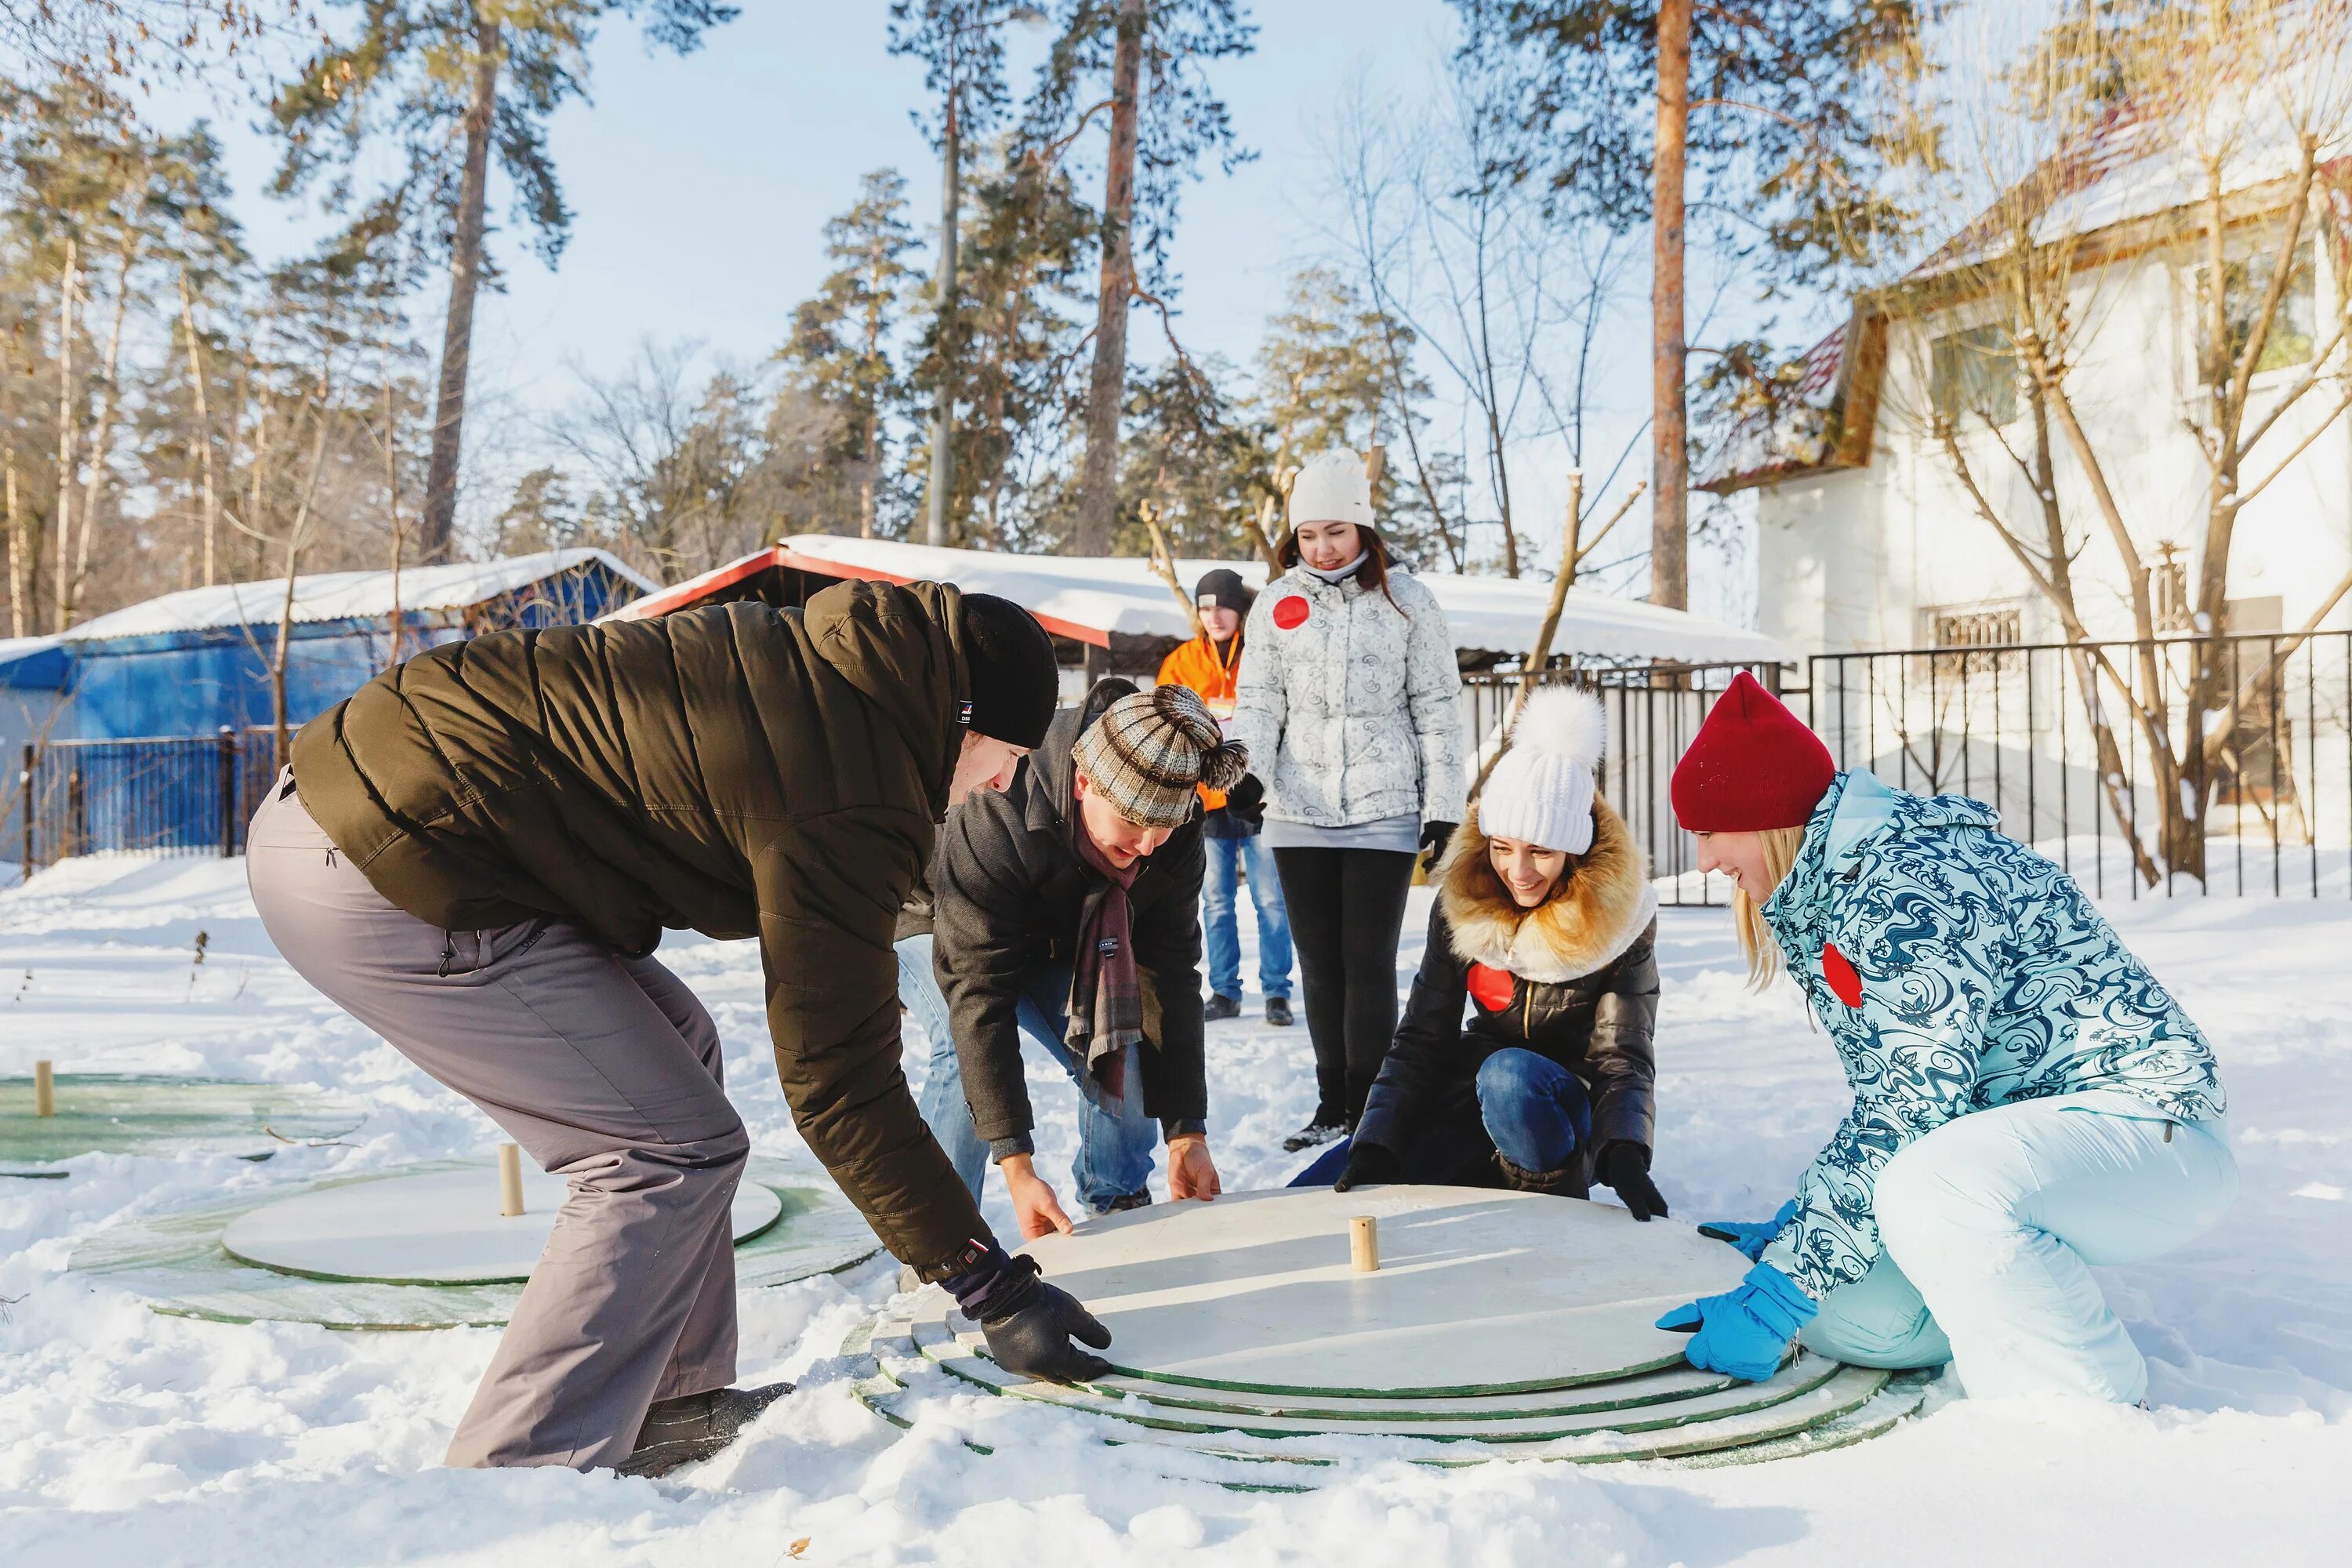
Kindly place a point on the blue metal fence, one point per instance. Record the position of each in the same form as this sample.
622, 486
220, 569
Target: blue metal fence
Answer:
176, 796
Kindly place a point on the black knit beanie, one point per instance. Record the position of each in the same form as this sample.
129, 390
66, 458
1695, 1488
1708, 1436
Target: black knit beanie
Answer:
1222, 586
1015, 681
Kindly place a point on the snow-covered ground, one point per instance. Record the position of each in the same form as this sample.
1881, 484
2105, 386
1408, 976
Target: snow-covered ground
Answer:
129, 1438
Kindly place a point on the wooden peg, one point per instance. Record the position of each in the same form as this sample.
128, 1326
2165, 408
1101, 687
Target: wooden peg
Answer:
509, 1179
45, 1090
1364, 1243
1375, 457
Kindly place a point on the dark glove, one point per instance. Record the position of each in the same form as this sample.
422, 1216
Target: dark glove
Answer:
1751, 1238
1625, 1167
1247, 796
1369, 1165
1029, 1322
1434, 836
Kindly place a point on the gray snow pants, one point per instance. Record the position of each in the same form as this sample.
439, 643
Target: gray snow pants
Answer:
606, 1070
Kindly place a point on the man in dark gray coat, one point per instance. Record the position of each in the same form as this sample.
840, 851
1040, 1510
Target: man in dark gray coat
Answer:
1070, 902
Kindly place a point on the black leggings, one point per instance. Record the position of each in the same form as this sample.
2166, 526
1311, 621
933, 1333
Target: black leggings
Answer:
1347, 909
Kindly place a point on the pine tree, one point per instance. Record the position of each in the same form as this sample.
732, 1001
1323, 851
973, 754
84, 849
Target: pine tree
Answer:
450, 81
1144, 58
961, 44
842, 342
1766, 106
1027, 243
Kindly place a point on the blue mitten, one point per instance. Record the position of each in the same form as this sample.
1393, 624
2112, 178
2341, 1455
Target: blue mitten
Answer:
1750, 1237
1744, 1333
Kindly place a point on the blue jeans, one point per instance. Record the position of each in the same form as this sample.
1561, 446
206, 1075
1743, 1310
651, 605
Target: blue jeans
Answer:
1229, 861
1114, 1152
1534, 1110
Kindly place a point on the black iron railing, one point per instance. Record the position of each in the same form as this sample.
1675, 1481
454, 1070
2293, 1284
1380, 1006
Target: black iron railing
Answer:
2109, 787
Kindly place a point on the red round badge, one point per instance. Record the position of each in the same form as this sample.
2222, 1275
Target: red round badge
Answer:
1291, 613
1491, 988
1839, 971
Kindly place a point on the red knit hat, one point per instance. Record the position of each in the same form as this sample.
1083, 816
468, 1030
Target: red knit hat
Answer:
1751, 766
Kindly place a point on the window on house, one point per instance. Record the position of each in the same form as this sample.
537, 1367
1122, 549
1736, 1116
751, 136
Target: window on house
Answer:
1973, 371
2247, 281
1963, 628
2168, 593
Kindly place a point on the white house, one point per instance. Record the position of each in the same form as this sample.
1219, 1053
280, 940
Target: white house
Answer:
1868, 538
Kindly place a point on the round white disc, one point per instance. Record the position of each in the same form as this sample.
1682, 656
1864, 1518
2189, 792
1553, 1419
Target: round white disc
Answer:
1477, 1291
438, 1229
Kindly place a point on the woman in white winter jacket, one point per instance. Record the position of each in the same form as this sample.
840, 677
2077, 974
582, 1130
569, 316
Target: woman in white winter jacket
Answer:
1347, 705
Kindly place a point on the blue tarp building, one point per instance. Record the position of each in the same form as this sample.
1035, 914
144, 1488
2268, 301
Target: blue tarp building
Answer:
194, 662
140, 698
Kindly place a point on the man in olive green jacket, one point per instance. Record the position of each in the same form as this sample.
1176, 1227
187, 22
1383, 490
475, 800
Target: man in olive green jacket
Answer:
476, 855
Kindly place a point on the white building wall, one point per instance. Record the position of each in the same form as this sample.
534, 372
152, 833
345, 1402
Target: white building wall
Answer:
1856, 559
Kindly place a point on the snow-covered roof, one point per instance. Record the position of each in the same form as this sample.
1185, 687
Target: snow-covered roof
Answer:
346, 596
2128, 169
1094, 598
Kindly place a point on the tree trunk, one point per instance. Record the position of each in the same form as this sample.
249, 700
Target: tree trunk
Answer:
1106, 390
935, 531
20, 580
465, 278
101, 436
60, 592
392, 495
203, 424
1670, 431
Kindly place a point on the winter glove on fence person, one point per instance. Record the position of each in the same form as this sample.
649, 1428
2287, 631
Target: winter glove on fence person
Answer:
1029, 1322
1744, 1333
1625, 1168
1751, 1238
1369, 1165
1434, 836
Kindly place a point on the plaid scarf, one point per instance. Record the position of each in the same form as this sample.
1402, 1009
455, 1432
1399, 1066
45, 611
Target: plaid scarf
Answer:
1106, 996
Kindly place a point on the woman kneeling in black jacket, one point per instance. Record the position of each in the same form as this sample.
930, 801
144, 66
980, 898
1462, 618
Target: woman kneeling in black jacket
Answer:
1545, 926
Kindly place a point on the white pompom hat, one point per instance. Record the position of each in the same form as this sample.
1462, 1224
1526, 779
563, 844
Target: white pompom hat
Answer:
1332, 488
1541, 789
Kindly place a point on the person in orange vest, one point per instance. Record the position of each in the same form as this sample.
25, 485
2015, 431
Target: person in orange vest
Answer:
1211, 664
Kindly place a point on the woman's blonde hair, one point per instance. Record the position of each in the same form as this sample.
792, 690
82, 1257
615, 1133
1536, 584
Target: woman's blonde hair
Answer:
1756, 942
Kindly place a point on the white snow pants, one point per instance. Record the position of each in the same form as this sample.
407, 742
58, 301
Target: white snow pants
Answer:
1991, 1223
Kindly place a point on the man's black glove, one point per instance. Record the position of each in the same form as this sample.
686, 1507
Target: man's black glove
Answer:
1434, 836
1029, 1322
1369, 1165
1625, 1167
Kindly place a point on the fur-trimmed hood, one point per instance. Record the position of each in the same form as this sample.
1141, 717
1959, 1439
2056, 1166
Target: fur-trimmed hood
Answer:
1586, 925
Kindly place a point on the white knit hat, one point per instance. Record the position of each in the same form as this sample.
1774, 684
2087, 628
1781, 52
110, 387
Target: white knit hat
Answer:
1332, 488
1541, 789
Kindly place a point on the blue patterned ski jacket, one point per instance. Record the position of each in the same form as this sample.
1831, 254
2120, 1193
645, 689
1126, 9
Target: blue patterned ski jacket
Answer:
1955, 970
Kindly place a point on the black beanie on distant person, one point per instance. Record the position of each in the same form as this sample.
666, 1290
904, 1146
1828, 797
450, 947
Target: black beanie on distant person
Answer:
1015, 680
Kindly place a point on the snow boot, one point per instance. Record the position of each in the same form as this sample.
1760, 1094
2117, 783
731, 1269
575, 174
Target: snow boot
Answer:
1277, 1012
1139, 1199
1327, 1126
694, 1426
1559, 1183
1221, 1007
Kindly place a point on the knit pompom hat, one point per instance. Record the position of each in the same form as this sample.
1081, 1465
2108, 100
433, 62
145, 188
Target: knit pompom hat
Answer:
1752, 766
1148, 752
1332, 488
1541, 789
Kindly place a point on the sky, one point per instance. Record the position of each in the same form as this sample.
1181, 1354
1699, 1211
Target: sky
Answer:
701, 186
